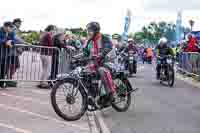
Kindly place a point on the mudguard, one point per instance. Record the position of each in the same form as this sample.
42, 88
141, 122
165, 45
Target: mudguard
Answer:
69, 77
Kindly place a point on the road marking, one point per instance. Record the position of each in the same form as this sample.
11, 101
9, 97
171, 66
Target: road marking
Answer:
100, 121
91, 122
41, 92
40, 116
14, 128
141, 67
24, 98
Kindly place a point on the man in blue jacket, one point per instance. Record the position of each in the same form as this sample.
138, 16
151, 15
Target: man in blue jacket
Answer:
7, 40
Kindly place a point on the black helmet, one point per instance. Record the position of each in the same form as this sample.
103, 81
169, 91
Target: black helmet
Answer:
17, 20
94, 26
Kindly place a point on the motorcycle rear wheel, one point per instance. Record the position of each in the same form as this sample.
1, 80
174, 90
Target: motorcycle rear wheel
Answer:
130, 66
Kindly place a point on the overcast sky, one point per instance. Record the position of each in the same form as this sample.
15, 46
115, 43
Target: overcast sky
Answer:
37, 14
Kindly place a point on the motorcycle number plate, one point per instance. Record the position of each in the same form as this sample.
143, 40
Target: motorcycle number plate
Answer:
169, 61
131, 58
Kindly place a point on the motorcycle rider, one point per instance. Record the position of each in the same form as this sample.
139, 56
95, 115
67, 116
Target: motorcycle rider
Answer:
163, 50
132, 48
97, 49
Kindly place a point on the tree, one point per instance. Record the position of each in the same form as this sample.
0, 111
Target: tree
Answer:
79, 31
31, 36
139, 37
154, 31
191, 22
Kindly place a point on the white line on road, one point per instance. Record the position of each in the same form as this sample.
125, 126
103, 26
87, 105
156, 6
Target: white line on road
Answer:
141, 67
41, 92
41, 116
14, 128
100, 121
24, 98
91, 122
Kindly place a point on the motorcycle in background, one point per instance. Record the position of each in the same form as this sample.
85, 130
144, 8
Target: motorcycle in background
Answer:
132, 62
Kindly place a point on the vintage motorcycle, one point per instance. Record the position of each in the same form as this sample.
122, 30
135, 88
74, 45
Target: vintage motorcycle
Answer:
85, 87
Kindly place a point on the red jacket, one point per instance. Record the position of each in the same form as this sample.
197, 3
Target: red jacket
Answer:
46, 41
192, 45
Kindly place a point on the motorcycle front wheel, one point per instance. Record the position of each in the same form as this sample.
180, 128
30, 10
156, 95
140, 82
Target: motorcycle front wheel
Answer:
68, 93
122, 101
171, 77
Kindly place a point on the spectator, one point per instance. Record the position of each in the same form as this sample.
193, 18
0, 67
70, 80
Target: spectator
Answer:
74, 42
7, 40
46, 41
149, 54
68, 35
15, 54
192, 44
59, 42
83, 41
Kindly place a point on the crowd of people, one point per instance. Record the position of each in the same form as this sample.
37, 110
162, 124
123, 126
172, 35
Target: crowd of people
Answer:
52, 37
190, 44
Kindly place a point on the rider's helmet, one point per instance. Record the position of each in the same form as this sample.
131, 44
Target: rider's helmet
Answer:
163, 40
94, 27
68, 32
130, 40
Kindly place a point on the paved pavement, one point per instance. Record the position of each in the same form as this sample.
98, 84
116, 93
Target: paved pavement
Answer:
158, 108
28, 110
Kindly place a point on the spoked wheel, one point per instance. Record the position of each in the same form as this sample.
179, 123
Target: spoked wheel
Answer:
69, 101
171, 77
123, 99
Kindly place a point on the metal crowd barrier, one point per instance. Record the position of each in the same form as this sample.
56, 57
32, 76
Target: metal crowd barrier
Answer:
65, 60
33, 63
189, 62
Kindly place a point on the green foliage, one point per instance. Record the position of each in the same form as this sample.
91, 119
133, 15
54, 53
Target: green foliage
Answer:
154, 31
31, 36
139, 37
79, 31
131, 35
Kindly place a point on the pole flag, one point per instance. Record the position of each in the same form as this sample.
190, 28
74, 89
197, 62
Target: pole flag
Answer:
178, 26
126, 26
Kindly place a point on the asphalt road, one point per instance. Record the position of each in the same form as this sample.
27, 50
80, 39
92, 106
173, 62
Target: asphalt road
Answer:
158, 108
27, 109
